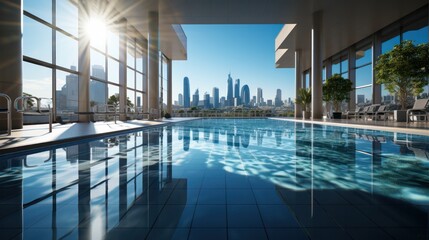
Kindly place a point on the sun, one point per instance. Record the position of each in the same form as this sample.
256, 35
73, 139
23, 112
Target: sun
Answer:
96, 30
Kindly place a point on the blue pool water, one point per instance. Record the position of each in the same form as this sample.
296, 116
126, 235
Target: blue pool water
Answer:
222, 179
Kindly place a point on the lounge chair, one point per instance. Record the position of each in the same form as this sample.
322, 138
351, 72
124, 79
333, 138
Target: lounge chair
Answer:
418, 110
382, 111
372, 110
349, 114
361, 112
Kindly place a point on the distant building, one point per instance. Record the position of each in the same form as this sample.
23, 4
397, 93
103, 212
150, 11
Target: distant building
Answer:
278, 100
186, 93
215, 94
206, 100
245, 95
180, 99
360, 99
237, 91
195, 98
259, 97
270, 102
222, 102
98, 91
229, 96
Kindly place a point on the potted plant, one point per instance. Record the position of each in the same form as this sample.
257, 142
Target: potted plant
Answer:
303, 99
403, 70
337, 89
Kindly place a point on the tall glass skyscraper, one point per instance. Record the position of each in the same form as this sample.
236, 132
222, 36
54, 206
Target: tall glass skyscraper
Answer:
245, 95
237, 91
186, 93
278, 101
215, 94
259, 97
229, 96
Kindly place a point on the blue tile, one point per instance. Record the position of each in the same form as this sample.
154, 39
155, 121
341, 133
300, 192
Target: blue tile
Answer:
328, 234
348, 216
168, 234
128, 233
234, 181
277, 216
408, 233
240, 196
244, 216
286, 233
208, 234
268, 196
212, 196
312, 216
175, 216
247, 234
184, 196
368, 234
209, 216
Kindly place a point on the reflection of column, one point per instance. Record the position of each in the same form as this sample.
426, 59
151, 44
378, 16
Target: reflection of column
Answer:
169, 154
84, 190
123, 161
278, 135
216, 135
154, 163
298, 81
245, 139
229, 137
316, 67
84, 61
169, 86
11, 57
12, 189
153, 62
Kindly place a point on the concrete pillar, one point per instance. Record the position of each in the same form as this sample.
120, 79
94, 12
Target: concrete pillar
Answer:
352, 77
10, 58
123, 70
145, 77
153, 48
84, 61
316, 67
169, 86
376, 52
298, 81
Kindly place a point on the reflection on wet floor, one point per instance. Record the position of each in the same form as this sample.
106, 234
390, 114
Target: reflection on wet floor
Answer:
222, 179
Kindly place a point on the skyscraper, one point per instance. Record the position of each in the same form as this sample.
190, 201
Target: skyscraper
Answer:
229, 96
245, 95
97, 89
206, 100
196, 98
186, 93
278, 100
259, 97
180, 99
215, 94
237, 91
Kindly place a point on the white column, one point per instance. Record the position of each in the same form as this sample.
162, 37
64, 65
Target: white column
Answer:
298, 81
10, 58
153, 90
316, 67
84, 61
169, 86
123, 70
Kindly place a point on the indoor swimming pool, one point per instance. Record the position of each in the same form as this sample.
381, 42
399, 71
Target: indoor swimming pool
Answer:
221, 179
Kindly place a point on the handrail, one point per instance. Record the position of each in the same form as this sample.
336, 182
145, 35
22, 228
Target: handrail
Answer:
24, 107
8, 112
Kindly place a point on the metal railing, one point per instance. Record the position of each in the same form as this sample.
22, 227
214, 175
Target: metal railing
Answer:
22, 105
251, 113
8, 112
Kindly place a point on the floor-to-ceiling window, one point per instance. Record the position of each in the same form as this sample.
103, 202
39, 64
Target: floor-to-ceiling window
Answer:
163, 81
363, 73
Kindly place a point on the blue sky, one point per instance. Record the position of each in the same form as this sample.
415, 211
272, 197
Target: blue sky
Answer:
247, 51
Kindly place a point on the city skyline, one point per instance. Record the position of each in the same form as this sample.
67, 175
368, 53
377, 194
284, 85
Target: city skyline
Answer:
245, 51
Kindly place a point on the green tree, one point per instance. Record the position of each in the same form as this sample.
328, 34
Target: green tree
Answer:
114, 100
403, 70
337, 89
303, 98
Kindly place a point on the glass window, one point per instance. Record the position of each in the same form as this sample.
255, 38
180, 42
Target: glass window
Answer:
113, 44
97, 93
67, 92
389, 44
37, 41
39, 8
130, 53
363, 96
418, 35
67, 51
364, 76
139, 59
130, 78
37, 80
336, 67
139, 81
139, 100
113, 71
67, 16
363, 56
113, 94
307, 79
323, 74
98, 65
130, 98
344, 65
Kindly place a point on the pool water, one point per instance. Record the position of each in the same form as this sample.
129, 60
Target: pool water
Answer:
222, 179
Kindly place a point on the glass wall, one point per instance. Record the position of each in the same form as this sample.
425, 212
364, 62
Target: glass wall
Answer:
307, 79
50, 49
163, 81
363, 73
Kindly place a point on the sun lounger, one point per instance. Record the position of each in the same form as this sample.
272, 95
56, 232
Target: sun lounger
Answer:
418, 110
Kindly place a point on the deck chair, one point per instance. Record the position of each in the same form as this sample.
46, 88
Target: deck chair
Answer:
350, 114
418, 110
372, 110
361, 112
